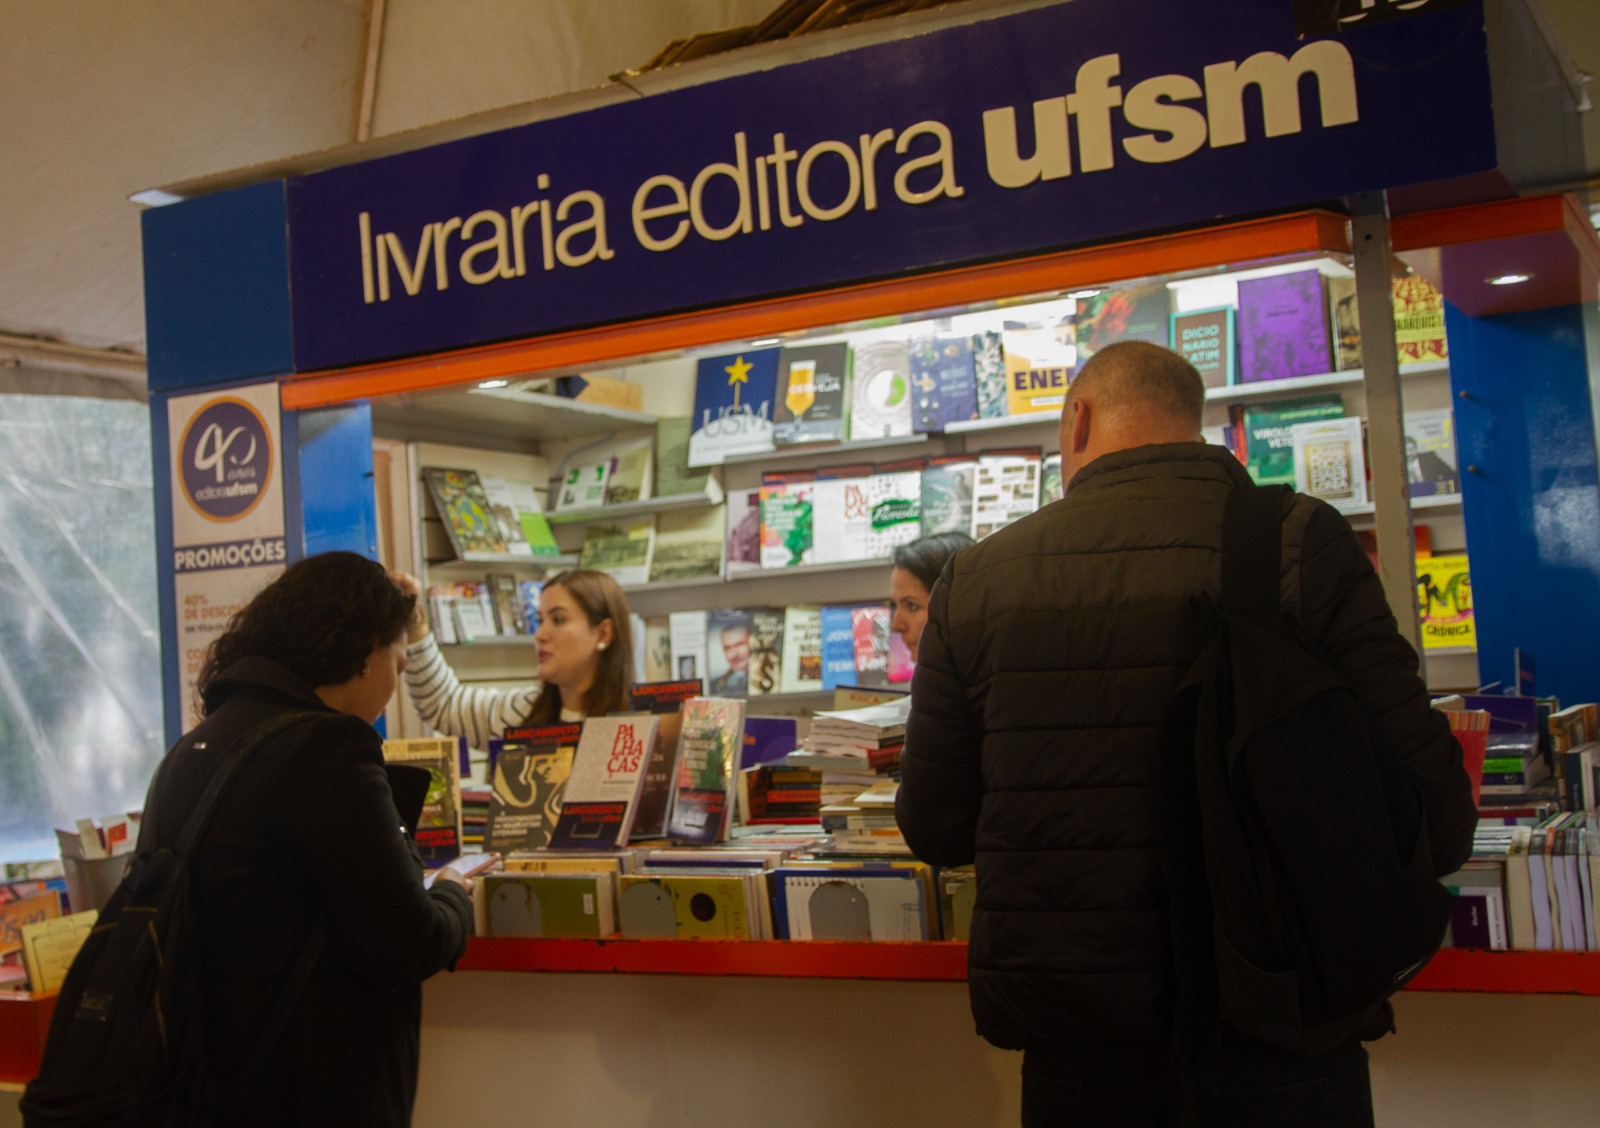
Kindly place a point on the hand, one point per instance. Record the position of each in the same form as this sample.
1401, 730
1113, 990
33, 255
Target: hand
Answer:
448, 874
417, 627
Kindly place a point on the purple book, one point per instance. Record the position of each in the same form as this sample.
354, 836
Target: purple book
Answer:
1283, 327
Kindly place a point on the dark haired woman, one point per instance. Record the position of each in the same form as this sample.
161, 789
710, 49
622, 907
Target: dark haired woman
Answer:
916, 568
584, 646
308, 834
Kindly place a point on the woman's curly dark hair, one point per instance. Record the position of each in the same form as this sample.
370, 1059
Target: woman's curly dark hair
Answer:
320, 620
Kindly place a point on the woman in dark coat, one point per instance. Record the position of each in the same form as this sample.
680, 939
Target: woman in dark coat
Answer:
309, 831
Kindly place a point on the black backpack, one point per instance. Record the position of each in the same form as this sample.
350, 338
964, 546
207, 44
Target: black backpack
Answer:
126, 1045
1299, 876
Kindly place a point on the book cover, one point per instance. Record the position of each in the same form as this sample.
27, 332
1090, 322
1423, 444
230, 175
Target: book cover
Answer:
1206, 338
583, 485
989, 373
1431, 453
657, 649
687, 631
699, 906
733, 405
49, 946
519, 516
728, 652
880, 399
838, 647
802, 649
743, 553
507, 602
894, 493
465, 510
1329, 462
1039, 366
869, 639
529, 903
1051, 487
841, 508
946, 494
528, 780
1345, 318
1283, 327
621, 549
631, 473
689, 544
602, 792
1444, 602
1268, 437
1130, 313
813, 394
786, 521
438, 833
1418, 320
674, 477
767, 740
766, 652
708, 750
944, 383
42, 905
664, 699
871, 901
1005, 488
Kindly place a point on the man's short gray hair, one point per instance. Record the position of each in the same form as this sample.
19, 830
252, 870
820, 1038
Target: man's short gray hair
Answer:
1139, 380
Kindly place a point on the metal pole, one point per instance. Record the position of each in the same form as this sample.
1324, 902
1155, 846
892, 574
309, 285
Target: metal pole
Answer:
1391, 496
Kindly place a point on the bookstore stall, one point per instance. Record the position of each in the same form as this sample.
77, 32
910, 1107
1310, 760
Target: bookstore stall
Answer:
737, 340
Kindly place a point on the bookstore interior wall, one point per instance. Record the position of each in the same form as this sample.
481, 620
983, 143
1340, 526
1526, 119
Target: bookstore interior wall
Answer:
832, 422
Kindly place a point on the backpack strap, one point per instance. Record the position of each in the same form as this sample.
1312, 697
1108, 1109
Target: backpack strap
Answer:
1252, 537
222, 775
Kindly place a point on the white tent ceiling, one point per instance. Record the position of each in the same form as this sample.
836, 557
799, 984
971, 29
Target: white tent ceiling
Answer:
100, 99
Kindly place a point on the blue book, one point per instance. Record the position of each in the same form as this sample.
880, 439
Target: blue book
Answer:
734, 399
838, 647
944, 383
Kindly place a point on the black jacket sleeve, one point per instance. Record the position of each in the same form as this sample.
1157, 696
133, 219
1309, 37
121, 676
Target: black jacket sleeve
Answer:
392, 930
1344, 608
941, 778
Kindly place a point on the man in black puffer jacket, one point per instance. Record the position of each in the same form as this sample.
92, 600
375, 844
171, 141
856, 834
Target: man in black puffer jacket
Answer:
1050, 653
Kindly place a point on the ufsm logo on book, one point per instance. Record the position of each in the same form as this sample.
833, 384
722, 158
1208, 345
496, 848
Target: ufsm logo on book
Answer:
226, 460
1329, 17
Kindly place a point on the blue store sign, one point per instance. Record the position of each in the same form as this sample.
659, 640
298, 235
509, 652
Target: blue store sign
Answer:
1054, 127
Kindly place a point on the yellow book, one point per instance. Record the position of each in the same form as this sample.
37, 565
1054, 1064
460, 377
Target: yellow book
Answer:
1444, 602
50, 946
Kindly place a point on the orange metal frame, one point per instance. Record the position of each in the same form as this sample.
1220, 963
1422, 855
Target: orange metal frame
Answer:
1300, 233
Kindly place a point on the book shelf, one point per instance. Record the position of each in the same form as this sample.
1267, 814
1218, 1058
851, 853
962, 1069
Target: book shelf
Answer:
625, 509
1272, 389
1453, 969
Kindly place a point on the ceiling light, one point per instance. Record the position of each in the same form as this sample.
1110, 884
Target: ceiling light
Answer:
1507, 279
765, 341
493, 383
1083, 293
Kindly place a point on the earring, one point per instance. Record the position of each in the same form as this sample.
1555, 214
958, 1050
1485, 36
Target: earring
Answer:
602, 646
365, 670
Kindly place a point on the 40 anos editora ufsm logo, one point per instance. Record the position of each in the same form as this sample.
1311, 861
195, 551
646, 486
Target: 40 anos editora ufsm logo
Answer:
225, 459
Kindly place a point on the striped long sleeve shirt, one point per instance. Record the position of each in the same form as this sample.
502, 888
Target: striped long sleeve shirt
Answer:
477, 713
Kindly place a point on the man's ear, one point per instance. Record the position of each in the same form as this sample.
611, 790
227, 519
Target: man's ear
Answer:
1082, 412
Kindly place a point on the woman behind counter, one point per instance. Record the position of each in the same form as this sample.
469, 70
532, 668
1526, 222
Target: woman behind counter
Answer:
916, 568
585, 655
306, 833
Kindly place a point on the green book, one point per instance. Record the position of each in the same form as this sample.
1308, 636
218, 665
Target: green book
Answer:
574, 905
1268, 438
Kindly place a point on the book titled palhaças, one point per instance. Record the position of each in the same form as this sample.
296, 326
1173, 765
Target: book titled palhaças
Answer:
602, 795
465, 510
708, 757
528, 783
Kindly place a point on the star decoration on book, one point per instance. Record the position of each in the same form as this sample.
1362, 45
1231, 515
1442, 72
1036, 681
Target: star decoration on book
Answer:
738, 373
